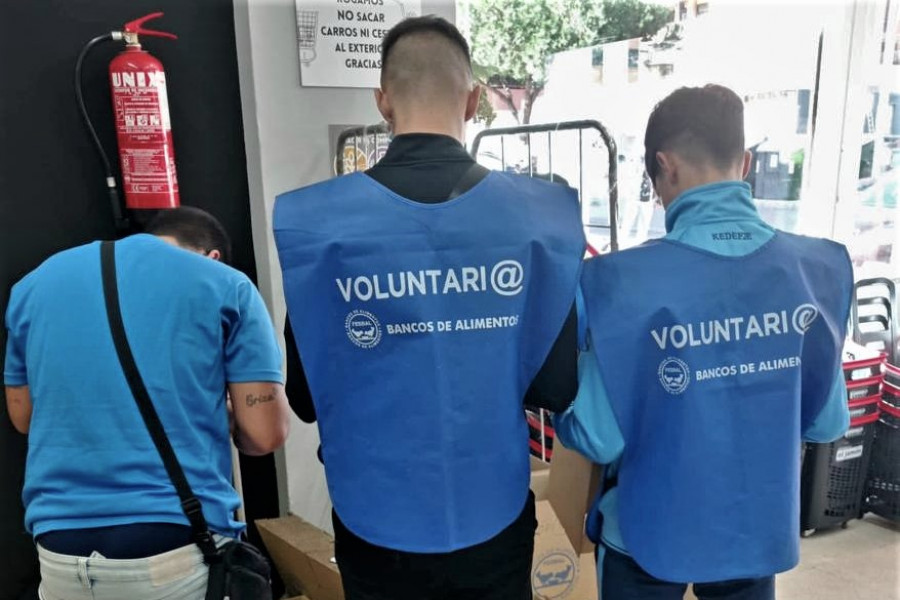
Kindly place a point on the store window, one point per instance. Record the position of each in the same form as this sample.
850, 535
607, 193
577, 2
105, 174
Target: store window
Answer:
775, 75
826, 150
869, 216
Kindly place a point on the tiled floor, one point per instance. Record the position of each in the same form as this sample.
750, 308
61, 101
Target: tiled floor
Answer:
861, 562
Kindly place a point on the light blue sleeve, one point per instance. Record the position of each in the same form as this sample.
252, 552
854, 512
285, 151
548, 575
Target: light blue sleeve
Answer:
251, 348
15, 372
589, 424
834, 418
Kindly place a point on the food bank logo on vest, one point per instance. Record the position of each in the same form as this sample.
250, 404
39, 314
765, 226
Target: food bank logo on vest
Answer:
735, 329
674, 375
505, 278
363, 329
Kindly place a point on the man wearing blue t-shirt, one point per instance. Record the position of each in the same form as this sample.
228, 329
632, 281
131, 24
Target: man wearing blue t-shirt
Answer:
711, 353
102, 509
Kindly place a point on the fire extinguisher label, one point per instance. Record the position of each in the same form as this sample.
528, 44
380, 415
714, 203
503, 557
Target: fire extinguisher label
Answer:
163, 95
145, 138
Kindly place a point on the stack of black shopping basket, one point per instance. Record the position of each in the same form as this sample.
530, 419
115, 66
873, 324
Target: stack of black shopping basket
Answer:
833, 477
861, 472
876, 324
883, 485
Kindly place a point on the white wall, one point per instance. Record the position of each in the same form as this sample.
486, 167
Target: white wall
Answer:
286, 136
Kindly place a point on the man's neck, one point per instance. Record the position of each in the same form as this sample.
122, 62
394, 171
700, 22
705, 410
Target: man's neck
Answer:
691, 177
169, 240
454, 128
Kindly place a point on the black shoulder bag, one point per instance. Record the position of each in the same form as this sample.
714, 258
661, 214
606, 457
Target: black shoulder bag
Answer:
237, 570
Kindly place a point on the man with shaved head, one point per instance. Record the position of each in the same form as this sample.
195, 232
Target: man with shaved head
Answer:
426, 79
428, 300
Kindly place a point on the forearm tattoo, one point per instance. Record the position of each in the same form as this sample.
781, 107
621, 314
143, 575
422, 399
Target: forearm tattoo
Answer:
254, 400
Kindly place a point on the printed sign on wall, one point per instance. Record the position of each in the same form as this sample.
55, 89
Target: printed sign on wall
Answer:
339, 41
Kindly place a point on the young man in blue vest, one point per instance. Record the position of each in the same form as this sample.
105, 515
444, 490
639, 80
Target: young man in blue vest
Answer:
103, 511
425, 296
712, 353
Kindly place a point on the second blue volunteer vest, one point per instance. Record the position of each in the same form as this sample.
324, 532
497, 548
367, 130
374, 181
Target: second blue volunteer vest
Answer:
420, 328
714, 365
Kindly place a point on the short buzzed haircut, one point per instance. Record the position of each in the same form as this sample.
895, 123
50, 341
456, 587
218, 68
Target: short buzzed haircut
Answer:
704, 124
193, 228
425, 56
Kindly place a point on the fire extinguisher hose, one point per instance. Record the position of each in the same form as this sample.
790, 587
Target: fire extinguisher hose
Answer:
112, 190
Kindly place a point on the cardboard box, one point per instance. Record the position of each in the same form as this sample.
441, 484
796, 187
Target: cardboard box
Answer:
540, 477
574, 482
558, 571
302, 554
561, 567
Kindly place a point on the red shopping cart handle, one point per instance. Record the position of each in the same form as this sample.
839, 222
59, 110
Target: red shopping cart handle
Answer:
866, 420
890, 409
860, 402
861, 383
540, 450
852, 365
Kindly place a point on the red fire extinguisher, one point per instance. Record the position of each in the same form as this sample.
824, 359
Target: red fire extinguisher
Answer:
143, 128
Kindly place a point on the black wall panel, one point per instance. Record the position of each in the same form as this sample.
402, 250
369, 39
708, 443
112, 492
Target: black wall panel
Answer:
52, 192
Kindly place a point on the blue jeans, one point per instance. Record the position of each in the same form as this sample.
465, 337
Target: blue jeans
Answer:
623, 579
176, 575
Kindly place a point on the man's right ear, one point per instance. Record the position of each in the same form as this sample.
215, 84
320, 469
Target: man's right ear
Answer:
665, 167
472, 101
383, 102
748, 162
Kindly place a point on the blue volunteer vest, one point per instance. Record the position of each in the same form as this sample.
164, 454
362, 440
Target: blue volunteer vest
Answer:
714, 365
420, 328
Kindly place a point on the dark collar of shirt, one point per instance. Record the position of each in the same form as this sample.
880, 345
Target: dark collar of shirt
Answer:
424, 167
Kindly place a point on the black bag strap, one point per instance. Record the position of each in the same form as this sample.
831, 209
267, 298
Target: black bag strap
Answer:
189, 502
473, 175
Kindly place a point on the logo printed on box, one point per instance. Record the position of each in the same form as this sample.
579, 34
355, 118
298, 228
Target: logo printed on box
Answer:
554, 575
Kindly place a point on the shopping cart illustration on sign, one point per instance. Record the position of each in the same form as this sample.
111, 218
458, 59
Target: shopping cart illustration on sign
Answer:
307, 23
405, 12
306, 34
